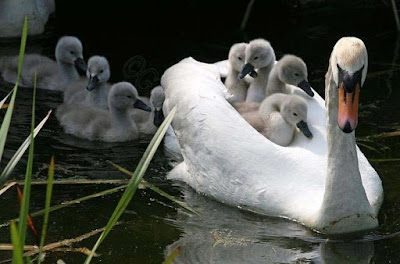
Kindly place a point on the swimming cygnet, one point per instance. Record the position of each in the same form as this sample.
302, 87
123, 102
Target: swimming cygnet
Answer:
50, 74
114, 125
148, 123
289, 69
278, 116
261, 56
94, 90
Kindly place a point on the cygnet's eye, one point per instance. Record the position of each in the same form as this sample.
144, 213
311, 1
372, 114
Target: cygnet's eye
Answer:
72, 52
296, 74
129, 96
255, 58
294, 114
101, 71
239, 58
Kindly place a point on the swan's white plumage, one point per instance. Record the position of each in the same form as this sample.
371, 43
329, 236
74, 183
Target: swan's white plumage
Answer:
224, 157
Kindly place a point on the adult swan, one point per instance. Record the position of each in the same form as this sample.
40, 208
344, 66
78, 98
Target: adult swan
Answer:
325, 183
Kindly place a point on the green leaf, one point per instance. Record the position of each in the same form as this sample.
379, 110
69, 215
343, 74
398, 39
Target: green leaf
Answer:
155, 189
134, 182
47, 207
7, 118
5, 99
17, 250
20, 152
28, 176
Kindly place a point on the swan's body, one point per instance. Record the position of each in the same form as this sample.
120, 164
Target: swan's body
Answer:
225, 158
289, 70
236, 87
94, 90
261, 56
12, 13
50, 74
93, 123
148, 122
277, 118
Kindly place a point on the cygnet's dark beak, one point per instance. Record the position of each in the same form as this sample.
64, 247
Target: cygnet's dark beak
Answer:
80, 64
247, 68
158, 117
304, 129
305, 86
140, 105
93, 80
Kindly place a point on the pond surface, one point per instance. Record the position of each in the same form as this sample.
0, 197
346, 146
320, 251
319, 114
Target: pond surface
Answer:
140, 45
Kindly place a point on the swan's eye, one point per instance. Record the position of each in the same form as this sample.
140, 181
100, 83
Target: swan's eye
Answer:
294, 114
255, 58
239, 58
296, 74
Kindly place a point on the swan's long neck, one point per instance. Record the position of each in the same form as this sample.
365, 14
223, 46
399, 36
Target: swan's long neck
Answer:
275, 85
98, 96
344, 195
121, 118
68, 72
269, 106
235, 85
263, 74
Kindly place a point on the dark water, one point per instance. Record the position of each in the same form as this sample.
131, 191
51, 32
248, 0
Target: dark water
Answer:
149, 39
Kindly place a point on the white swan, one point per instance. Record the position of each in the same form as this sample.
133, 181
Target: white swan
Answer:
93, 123
94, 90
315, 182
12, 13
261, 56
289, 70
278, 116
50, 74
148, 122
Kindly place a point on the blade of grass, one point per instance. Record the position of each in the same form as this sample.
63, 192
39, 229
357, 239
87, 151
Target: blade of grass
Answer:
23, 214
17, 252
8, 186
135, 180
5, 99
20, 152
29, 218
155, 189
247, 15
170, 259
69, 203
7, 118
384, 160
47, 207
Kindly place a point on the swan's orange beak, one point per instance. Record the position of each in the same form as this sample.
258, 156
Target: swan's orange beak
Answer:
348, 108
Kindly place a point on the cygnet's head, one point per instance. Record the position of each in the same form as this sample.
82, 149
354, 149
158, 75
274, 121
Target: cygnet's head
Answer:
124, 96
259, 54
293, 70
294, 111
157, 97
69, 51
237, 56
98, 71
349, 66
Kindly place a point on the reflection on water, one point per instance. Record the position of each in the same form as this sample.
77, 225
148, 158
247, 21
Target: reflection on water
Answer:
224, 234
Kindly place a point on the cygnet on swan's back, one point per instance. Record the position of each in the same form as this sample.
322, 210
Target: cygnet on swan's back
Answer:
278, 116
